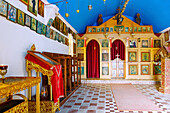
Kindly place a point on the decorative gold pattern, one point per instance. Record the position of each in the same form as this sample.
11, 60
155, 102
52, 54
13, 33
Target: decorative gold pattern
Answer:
14, 87
20, 108
30, 66
45, 107
33, 48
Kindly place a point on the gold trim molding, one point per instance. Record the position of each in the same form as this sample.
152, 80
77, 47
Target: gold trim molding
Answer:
30, 66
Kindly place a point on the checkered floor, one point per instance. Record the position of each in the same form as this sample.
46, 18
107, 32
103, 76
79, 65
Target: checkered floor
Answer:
98, 98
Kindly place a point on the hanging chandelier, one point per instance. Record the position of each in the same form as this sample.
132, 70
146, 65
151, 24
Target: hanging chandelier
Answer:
78, 8
66, 14
104, 1
89, 6
106, 34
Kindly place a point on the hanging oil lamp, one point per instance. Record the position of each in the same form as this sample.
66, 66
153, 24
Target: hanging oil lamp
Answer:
89, 7
66, 14
78, 8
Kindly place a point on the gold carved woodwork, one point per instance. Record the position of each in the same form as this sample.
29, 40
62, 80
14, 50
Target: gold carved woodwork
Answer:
33, 48
30, 66
45, 107
20, 108
14, 87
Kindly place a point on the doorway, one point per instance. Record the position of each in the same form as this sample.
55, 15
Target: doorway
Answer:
118, 59
93, 59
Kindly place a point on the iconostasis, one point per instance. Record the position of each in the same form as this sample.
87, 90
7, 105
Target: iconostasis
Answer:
126, 51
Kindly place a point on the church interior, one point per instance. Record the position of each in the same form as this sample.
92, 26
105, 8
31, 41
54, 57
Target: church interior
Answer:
84, 56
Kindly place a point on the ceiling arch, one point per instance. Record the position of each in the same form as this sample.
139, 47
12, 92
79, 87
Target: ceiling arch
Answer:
153, 12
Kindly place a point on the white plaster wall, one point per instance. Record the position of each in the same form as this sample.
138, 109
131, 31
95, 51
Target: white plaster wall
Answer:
15, 40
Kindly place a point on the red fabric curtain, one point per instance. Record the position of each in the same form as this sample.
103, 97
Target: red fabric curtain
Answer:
93, 59
118, 47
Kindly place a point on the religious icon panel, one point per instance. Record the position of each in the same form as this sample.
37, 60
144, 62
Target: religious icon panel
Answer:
48, 32
145, 69
105, 43
121, 73
113, 64
145, 43
166, 34
157, 70
33, 24
133, 43
105, 70
144, 29
33, 6
80, 42
132, 56
90, 30
43, 29
39, 27
133, 69
27, 20
20, 17
105, 56
145, 56
3, 8
12, 12
40, 8
98, 29
94, 29
157, 43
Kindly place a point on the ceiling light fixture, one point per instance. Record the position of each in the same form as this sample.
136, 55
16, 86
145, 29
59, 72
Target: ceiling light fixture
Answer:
66, 14
132, 34
89, 6
104, 1
106, 34
78, 8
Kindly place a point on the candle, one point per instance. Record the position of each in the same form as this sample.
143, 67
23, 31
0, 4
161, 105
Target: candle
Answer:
151, 42
110, 41
127, 41
85, 41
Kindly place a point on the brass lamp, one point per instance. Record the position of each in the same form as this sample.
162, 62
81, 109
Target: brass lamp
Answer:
44, 91
89, 7
66, 14
3, 71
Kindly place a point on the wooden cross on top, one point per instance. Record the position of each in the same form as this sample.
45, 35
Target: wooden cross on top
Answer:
119, 9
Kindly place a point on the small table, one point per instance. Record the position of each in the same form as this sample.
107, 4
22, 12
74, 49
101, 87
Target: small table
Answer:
11, 86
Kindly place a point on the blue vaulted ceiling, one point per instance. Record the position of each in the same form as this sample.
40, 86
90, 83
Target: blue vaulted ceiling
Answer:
153, 12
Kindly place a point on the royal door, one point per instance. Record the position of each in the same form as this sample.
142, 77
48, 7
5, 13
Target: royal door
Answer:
118, 66
118, 59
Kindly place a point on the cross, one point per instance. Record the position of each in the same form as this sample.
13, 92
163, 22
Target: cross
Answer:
117, 55
119, 9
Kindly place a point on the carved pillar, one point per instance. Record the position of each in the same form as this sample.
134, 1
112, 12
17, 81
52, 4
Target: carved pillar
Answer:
165, 82
38, 95
29, 89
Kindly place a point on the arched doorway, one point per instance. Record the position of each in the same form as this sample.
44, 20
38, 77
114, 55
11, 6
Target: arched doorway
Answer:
93, 59
118, 59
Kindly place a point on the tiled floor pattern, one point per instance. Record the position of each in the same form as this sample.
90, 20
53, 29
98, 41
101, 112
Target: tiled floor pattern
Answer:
98, 98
